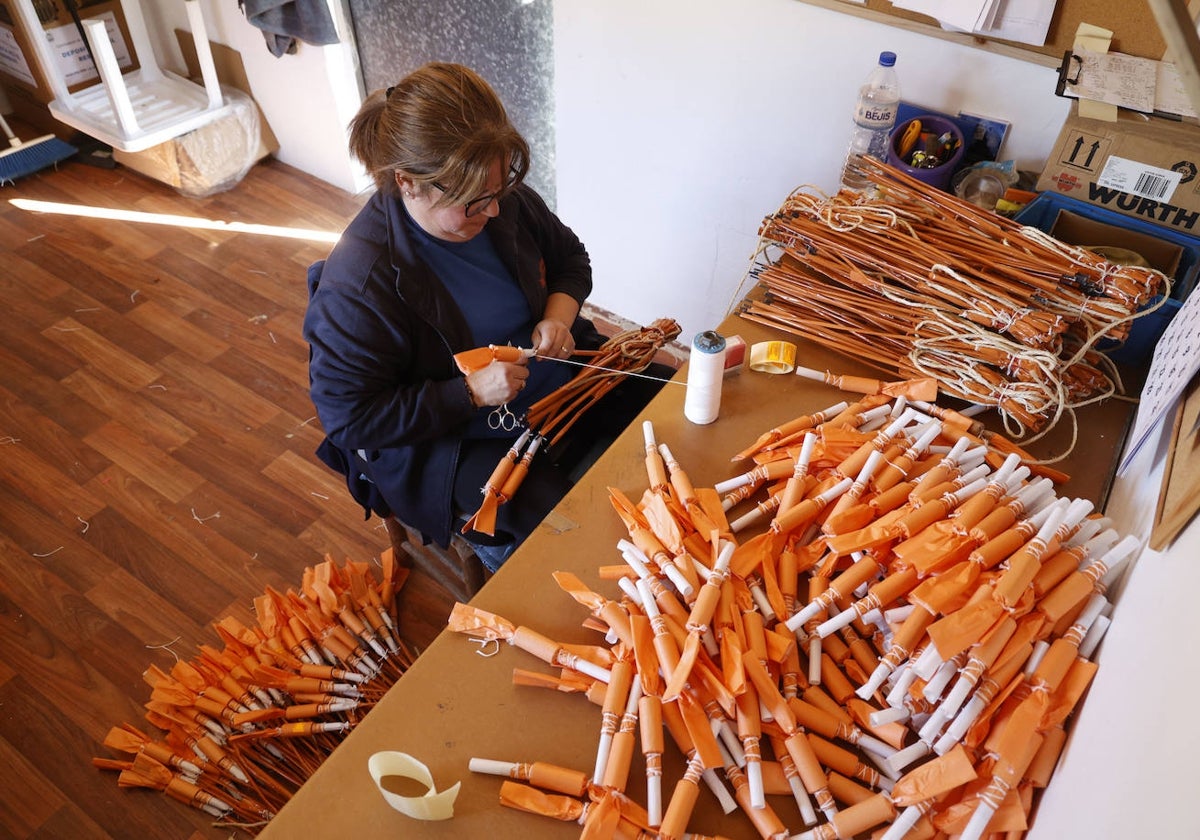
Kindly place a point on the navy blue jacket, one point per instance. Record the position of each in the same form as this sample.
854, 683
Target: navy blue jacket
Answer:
382, 332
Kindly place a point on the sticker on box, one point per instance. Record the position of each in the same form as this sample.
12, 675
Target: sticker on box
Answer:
1138, 178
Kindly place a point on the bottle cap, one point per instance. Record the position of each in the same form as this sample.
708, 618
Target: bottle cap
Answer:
887, 59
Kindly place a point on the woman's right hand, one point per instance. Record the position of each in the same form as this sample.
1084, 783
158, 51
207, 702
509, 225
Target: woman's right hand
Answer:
499, 382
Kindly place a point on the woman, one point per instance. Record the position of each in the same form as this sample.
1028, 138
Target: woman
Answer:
452, 252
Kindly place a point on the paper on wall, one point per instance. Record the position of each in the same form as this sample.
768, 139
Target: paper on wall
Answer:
1175, 362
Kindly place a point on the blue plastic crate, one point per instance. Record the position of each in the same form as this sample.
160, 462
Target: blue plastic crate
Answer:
1145, 332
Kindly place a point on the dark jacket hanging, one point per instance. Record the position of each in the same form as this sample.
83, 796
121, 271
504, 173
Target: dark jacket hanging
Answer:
284, 22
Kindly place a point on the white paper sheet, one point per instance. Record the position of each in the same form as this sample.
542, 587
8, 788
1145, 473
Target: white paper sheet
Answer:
1023, 21
1175, 362
957, 14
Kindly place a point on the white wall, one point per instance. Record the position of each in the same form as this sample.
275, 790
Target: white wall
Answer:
307, 98
681, 123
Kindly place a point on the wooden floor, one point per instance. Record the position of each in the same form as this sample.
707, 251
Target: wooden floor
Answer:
156, 468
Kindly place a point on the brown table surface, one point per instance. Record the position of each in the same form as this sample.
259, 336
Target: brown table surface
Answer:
454, 704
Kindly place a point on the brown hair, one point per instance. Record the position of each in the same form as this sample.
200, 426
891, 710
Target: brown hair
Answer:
440, 124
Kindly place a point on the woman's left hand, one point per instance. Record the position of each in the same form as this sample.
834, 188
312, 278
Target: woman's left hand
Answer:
553, 338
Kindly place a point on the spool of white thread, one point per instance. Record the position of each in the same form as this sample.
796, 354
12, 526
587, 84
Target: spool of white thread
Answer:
706, 369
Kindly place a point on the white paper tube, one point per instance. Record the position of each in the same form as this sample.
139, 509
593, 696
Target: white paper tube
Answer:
907, 818
630, 588
901, 759
937, 683
726, 800
492, 767
635, 557
891, 714
685, 589
706, 369
1094, 634
648, 434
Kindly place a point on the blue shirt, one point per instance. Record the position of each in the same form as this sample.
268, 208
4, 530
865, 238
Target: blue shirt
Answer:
497, 312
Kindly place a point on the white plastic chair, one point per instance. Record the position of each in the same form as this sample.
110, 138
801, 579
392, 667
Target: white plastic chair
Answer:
143, 107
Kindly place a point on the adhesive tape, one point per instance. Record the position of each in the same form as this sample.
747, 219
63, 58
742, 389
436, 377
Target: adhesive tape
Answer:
773, 357
431, 806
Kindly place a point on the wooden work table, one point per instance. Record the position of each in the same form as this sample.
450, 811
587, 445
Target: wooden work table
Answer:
455, 704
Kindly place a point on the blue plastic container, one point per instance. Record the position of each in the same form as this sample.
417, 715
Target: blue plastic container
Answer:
1145, 332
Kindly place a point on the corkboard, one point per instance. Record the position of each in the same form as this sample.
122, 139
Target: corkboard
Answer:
1131, 21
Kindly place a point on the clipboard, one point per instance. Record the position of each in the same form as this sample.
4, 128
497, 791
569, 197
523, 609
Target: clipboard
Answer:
1125, 81
1179, 497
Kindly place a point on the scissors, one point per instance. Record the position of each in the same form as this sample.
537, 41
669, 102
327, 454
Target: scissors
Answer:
502, 419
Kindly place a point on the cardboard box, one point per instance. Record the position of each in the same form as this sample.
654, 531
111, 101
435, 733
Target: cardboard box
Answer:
25, 80
1144, 167
217, 155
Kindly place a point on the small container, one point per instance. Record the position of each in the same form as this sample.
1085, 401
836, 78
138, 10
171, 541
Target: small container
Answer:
938, 176
981, 188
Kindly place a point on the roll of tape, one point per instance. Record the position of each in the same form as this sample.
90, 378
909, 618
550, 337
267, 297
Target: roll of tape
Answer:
430, 806
773, 357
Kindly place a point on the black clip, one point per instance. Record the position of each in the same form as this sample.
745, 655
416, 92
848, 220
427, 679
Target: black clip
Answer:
1064, 72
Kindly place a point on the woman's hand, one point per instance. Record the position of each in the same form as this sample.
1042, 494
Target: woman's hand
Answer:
499, 382
553, 338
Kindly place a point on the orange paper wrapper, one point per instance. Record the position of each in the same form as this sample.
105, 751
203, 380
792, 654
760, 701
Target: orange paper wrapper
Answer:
534, 801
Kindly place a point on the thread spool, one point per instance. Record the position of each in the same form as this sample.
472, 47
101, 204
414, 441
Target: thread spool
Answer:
706, 368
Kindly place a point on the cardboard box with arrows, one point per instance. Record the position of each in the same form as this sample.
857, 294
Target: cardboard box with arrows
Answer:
1145, 167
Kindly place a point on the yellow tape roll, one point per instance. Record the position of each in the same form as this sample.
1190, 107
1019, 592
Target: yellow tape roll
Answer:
773, 357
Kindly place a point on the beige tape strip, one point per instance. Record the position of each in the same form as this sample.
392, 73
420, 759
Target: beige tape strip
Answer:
431, 806
773, 357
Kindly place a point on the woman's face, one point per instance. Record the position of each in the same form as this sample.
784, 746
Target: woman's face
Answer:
452, 222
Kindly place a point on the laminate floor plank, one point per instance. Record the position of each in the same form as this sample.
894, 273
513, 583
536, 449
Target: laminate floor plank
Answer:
159, 427
45, 436
177, 330
99, 350
45, 485
97, 808
44, 543
126, 447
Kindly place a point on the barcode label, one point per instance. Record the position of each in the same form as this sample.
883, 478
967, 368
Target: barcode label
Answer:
1138, 178
1152, 185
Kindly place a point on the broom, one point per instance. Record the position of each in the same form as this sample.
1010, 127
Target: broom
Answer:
32, 156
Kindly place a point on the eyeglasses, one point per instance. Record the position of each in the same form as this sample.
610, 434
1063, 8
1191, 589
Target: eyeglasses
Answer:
477, 205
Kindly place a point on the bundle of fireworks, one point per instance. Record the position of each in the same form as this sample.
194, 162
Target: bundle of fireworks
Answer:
915, 281
878, 627
238, 729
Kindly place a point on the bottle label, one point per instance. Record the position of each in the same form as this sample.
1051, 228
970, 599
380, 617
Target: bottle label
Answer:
875, 116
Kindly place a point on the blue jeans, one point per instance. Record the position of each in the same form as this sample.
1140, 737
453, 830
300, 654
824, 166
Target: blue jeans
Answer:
493, 556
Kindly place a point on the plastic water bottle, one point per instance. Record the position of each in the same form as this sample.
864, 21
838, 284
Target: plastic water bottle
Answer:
874, 117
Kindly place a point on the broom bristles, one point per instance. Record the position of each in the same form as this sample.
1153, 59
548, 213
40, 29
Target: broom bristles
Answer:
33, 156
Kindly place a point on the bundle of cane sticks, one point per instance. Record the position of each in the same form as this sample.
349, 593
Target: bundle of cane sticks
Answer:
887, 642
911, 279
627, 352
238, 729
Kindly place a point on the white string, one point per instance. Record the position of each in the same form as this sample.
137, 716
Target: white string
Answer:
609, 370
